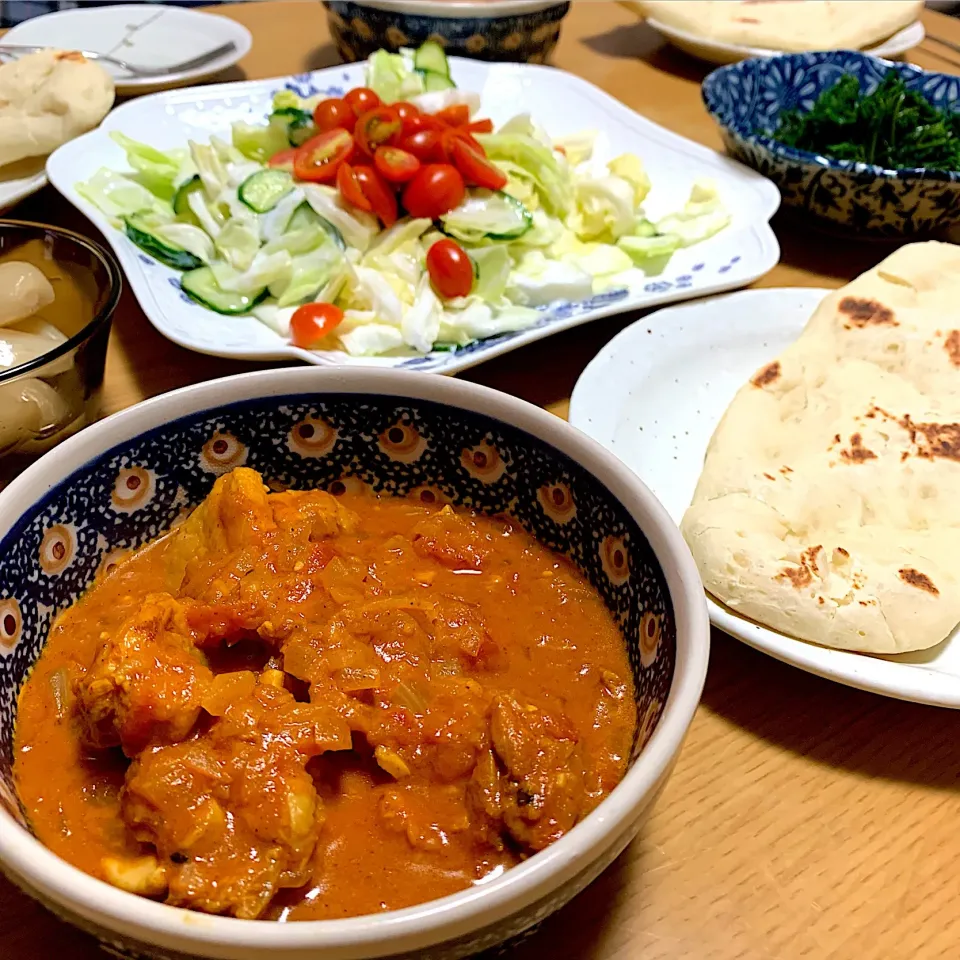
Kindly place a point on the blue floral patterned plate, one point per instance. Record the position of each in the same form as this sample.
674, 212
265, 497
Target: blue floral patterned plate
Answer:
747, 98
127, 479
560, 102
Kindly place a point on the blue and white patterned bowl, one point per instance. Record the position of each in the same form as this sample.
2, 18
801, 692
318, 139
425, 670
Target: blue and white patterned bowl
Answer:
520, 31
747, 98
123, 481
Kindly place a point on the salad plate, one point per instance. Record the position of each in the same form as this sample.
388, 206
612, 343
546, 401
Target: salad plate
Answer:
715, 51
654, 396
561, 104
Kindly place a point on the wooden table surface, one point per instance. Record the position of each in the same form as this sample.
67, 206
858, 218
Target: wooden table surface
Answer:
804, 819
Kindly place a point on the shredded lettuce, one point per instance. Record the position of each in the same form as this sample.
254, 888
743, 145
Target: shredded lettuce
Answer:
547, 170
392, 76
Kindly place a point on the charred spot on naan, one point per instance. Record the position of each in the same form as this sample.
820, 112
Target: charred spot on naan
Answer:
769, 374
866, 313
952, 345
933, 440
857, 453
802, 575
919, 580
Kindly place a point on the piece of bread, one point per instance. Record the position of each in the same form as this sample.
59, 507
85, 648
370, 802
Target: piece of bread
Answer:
829, 504
789, 26
48, 98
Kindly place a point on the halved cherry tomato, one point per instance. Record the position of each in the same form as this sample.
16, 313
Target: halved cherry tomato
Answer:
283, 160
379, 194
350, 188
406, 112
333, 113
450, 269
396, 165
312, 322
475, 168
479, 126
375, 128
320, 157
362, 99
436, 189
455, 116
425, 145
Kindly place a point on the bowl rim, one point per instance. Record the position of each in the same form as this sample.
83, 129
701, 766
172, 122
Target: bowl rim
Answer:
102, 316
719, 77
461, 10
456, 915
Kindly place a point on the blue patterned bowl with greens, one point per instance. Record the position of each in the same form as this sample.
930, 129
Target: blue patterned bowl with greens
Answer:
747, 99
127, 479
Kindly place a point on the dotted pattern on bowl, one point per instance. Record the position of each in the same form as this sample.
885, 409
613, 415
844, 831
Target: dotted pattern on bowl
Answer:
747, 98
359, 30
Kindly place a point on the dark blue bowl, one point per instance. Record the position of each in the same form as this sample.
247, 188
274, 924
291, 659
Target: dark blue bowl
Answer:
523, 31
747, 98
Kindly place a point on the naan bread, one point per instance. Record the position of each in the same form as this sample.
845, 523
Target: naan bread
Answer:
791, 25
48, 98
829, 504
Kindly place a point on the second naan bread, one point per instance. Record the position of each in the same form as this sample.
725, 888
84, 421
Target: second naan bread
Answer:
792, 26
48, 98
829, 504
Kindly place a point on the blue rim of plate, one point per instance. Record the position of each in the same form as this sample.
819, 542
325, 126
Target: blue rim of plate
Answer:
843, 59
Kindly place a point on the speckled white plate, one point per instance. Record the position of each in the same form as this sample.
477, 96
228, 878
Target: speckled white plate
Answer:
559, 101
144, 34
713, 51
655, 394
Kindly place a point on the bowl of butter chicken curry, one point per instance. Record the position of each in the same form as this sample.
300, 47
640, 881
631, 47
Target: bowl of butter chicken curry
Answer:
342, 664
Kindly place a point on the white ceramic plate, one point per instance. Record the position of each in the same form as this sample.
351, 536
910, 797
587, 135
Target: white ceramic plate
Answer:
144, 34
654, 396
562, 103
713, 51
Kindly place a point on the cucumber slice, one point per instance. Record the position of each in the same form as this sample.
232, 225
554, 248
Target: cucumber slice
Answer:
431, 59
306, 216
181, 206
263, 190
296, 123
141, 233
487, 215
202, 286
433, 82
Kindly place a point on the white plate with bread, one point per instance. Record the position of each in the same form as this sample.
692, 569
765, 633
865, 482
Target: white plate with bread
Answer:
823, 509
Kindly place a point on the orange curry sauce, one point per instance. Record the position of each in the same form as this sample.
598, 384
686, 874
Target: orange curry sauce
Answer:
296, 706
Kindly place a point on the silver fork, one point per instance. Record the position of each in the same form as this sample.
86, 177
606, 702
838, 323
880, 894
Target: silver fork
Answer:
192, 64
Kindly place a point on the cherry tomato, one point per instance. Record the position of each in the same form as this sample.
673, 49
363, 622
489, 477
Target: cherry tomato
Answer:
476, 169
396, 165
479, 126
350, 189
362, 100
455, 116
407, 113
450, 269
425, 145
283, 160
375, 128
422, 122
320, 157
436, 189
379, 194
333, 113
312, 322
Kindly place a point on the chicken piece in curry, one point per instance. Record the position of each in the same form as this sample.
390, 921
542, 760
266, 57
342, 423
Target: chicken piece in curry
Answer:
301, 706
